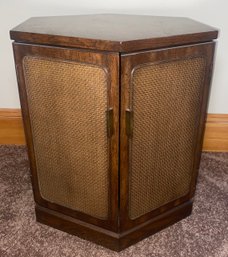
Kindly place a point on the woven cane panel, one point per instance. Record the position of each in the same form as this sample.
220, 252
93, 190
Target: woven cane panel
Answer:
67, 104
166, 103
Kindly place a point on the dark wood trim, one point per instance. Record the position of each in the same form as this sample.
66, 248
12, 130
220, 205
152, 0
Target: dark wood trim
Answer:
113, 46
150, 44
129, 62
112, 240
209, 55
108, 62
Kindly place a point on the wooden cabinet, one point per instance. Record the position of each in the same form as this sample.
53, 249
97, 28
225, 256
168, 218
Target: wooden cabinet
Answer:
114, 109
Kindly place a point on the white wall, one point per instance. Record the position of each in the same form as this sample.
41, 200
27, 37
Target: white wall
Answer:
212, 12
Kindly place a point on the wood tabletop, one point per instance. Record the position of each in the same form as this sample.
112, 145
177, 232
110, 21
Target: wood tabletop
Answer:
113, 32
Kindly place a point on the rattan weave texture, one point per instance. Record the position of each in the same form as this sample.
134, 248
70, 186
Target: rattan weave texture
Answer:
165, 99
67, 104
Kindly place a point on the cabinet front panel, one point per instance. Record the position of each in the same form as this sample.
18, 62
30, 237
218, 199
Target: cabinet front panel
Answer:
165, 101
163, 107
68, 103
70, 109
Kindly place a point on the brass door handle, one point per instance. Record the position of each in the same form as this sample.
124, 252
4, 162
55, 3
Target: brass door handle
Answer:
109, 117
129, 123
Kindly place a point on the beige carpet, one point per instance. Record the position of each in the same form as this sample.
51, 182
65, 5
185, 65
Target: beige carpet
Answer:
203, 234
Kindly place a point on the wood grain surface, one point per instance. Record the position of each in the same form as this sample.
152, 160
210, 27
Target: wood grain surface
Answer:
108, 62
113, 32
216, 133
11, 127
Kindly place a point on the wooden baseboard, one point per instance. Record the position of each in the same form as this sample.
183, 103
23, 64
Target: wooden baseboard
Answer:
215, 139
216, 133
11, 127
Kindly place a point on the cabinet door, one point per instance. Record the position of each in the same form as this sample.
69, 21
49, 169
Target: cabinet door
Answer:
70, 106
163, 105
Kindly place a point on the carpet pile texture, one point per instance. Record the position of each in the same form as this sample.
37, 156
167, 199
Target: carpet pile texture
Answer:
203, 234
